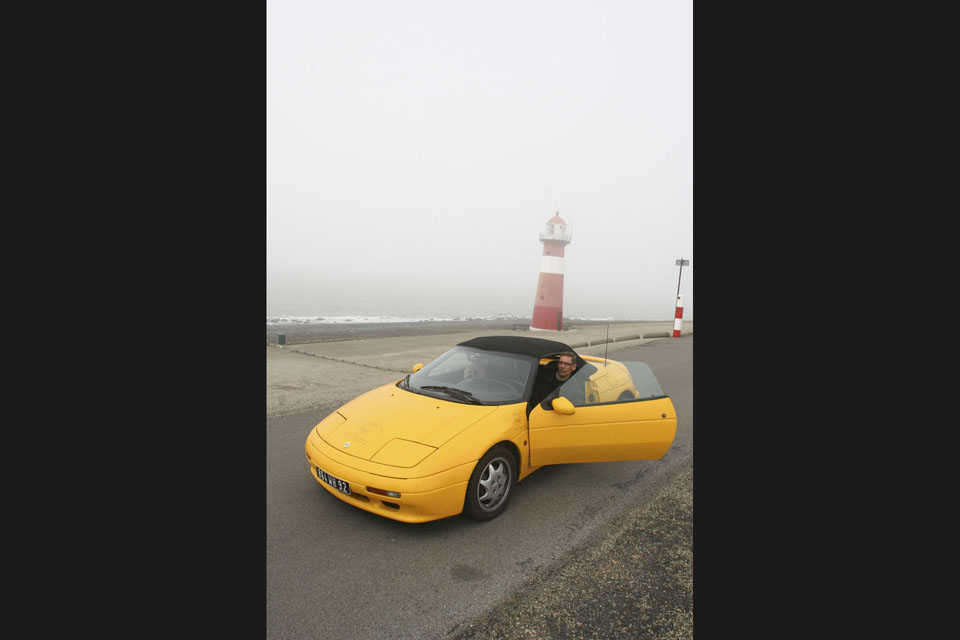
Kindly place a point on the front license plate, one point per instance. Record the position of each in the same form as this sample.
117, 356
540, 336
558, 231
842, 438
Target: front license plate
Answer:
336, 483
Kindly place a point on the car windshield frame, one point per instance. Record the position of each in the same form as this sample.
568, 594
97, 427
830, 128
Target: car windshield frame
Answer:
502, 378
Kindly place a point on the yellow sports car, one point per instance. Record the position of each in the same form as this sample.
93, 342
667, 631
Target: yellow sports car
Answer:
457, 435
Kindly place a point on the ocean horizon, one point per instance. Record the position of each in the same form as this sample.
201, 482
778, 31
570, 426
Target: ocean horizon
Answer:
316, 300
372, 319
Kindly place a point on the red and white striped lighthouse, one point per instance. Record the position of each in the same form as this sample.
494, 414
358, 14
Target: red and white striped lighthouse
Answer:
548, 305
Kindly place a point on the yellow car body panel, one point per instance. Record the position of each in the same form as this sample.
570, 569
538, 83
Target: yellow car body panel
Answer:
639, 430
373, 419
372, 425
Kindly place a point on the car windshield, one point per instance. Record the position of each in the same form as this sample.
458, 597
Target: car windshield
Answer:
474, 376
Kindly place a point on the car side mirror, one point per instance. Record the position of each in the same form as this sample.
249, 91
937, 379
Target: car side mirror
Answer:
547, 403
417, 367
563, 406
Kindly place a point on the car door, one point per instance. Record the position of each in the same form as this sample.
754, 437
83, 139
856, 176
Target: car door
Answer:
610, 411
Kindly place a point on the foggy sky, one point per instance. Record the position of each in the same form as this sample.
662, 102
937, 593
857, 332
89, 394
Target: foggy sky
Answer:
419, 147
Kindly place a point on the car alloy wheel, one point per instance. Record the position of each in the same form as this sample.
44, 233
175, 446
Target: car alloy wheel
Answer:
489, 488
494, 484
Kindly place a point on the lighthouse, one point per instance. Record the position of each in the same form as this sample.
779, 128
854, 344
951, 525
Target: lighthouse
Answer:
548, 305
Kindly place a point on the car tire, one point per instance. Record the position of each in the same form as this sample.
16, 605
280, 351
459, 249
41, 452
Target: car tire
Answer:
491, 484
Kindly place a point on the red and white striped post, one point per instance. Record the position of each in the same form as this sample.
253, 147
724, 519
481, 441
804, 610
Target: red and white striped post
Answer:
678, 317
679, 313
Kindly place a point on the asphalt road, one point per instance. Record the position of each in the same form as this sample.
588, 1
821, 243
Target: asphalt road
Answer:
334, 571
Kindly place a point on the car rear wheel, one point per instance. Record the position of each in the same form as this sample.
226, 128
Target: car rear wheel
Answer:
490, 484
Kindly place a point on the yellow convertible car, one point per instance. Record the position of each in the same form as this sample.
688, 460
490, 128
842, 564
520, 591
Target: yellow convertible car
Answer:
457, 435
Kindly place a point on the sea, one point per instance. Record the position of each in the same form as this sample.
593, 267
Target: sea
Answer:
313, 305
316, 308
321, 306
362, 319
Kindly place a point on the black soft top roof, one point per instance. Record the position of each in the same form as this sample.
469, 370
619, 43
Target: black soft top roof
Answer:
536, 347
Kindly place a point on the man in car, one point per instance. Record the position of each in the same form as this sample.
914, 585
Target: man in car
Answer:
552, 375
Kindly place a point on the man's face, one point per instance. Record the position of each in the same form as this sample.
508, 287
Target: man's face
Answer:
565, 367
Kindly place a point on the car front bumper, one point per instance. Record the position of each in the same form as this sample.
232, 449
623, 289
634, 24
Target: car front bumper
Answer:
421, 499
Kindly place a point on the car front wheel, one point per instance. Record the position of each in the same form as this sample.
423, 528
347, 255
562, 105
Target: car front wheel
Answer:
490, 484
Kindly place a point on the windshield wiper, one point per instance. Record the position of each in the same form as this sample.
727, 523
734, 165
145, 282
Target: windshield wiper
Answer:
456, 393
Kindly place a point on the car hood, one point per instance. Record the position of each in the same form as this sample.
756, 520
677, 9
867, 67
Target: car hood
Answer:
392, 426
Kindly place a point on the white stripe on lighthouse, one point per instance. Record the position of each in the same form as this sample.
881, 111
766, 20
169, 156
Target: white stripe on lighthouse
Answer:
551, 264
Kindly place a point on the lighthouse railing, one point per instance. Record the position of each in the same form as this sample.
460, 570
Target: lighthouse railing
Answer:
556, 237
